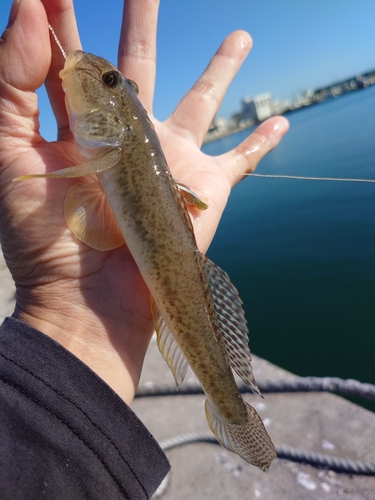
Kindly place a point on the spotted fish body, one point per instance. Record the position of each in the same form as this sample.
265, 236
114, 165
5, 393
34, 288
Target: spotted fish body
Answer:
197, 312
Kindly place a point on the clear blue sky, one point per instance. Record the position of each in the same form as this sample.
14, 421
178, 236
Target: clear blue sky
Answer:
298, 44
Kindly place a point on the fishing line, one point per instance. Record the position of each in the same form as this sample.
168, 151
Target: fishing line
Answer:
299, 177
275, 176
57, 41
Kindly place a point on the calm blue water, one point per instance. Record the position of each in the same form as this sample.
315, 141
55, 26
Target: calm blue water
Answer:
302, 254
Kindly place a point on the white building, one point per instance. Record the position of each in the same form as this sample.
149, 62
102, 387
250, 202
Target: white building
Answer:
263, 106
258, 108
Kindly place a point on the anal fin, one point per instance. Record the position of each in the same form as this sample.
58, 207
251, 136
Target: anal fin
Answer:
168, 346
249, 439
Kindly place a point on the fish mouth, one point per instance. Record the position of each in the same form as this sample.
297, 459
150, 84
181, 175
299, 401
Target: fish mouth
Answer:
71, 62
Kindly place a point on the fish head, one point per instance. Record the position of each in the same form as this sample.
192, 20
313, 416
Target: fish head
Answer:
94, 96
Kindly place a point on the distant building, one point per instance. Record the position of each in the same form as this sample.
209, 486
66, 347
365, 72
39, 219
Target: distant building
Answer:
263, 106
342, 87
254, 109
218, 128
218, 125
280, 107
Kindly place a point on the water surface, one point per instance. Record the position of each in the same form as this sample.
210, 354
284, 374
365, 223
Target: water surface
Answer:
302, 254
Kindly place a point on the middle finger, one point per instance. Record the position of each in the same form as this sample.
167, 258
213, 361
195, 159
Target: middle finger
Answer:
137, 47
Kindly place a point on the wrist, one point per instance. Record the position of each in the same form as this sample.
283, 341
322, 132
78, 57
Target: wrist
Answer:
115, 353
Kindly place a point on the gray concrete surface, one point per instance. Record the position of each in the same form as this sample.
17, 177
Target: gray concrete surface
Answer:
319, 422
322, 423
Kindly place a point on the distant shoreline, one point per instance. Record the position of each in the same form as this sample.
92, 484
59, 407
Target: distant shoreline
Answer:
321, 95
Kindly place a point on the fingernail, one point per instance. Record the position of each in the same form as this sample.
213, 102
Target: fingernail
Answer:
281, 127
13, 13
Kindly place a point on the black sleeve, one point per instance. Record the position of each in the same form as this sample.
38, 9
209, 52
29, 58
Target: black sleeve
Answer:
64, 433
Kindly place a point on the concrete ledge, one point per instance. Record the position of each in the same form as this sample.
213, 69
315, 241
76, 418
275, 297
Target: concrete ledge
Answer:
319, 422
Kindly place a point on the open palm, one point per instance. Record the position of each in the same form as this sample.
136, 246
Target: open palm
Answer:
95, 303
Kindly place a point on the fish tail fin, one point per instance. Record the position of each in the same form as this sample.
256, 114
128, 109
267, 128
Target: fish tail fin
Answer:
249, 439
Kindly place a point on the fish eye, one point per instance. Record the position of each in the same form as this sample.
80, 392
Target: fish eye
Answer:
111, 78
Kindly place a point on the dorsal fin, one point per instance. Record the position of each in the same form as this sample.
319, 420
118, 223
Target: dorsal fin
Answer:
231, 316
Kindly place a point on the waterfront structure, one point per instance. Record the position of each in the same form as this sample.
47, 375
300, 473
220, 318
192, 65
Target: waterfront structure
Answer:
254, 109
218, 126
354, 83
262, 106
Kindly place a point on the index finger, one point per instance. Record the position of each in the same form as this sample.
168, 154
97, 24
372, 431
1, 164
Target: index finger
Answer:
62, 18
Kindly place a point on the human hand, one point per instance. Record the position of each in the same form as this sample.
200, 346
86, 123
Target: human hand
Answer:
96, 304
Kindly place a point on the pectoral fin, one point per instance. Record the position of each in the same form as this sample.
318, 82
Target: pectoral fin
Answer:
168, 346
89, 216
191, 198
92, 167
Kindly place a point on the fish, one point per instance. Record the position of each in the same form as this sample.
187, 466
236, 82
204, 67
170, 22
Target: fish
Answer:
197, 311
